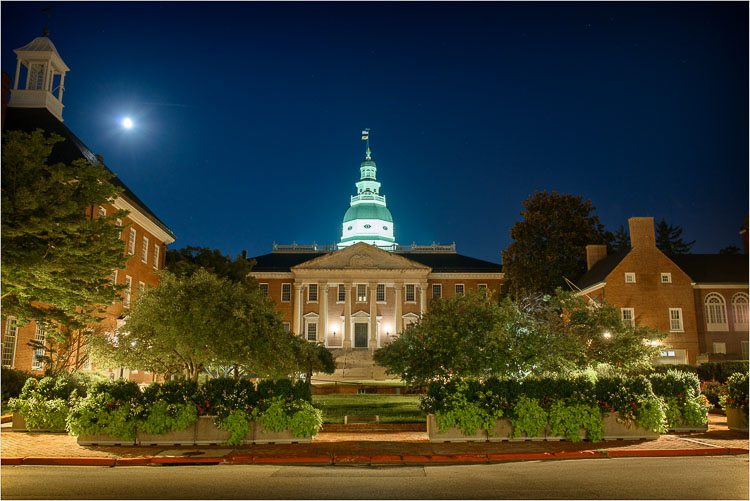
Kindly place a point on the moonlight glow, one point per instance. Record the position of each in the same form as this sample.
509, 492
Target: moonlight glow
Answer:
127, 123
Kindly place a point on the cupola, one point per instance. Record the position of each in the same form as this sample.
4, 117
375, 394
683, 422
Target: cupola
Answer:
44, 75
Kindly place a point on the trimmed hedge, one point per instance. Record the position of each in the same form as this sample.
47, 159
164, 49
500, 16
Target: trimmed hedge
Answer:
12, 381
721, 371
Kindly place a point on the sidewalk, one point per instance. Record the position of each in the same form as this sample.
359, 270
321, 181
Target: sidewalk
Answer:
381, 448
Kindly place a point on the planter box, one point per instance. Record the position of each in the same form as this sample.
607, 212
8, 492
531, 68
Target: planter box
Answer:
451, 434
207, 433
19, 424
262, 435
613, 430
554, 438
501, 431
689, 428
737, 420
102, 440
181, 437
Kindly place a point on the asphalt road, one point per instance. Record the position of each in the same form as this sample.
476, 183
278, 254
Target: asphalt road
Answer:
715, 477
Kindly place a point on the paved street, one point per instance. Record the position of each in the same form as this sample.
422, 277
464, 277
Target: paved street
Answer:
721, 477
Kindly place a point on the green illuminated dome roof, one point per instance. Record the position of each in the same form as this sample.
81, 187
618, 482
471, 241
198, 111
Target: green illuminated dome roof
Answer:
368, 211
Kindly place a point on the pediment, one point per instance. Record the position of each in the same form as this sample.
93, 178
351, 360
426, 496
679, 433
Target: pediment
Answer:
361, 256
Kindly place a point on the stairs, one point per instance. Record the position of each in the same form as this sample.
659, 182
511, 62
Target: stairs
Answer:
354, 364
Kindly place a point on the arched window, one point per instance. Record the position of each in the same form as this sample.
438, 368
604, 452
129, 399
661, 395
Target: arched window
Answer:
739, 308
716, 312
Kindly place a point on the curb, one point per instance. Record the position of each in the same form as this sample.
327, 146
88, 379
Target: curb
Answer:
361, 460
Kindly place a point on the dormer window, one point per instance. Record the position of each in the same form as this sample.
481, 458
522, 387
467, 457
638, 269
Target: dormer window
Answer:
629, 278
666, 278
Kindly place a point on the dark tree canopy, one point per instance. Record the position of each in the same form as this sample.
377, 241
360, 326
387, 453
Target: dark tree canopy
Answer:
669, 239
57, 253
621, 240
730, 249
188, 260
549, 243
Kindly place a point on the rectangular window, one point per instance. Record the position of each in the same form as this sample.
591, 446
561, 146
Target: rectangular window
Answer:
410, 296
629, 278
156, 256
482, 287
113, 277
459, 289
287, 326
361, 293
312, 331
666, 278
380, 293
667, 353
312, 293
141, 287
628, 316
720, 348
144, 250
9, 341
675, 320
102, 211
131, 242
264, 289
40, 336
128, 290
437, 291
286, 293
342, 293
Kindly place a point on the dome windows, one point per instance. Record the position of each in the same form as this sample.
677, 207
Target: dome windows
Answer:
367, 226
385, 228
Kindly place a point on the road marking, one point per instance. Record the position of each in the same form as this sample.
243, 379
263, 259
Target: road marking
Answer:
696, 441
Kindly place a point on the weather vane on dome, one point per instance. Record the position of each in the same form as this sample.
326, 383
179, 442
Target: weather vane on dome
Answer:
366, 137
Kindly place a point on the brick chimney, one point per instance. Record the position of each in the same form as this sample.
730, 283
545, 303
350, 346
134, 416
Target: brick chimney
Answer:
594, 254
642, 232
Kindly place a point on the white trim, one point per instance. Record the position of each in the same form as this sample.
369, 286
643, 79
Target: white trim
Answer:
269, 275
289, 300
464, 276
734, 285
481, 286
628, 275
740, 326
157, 252
377, 292
339, 289
681, 326
132, 237
719, 307
721, 345
144, 249
668, 277
632, 316
102, 212
310, 288
414, 294
141, 286
591, 288
127, 293
463, 289
40, 335
141, 220
11, 324
432, 291
357, 295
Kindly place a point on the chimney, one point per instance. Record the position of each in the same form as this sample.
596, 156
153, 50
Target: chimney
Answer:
642, 232
594, 254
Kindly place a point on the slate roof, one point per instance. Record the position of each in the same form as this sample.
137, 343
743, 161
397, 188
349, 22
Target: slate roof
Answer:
30, 119
701, 268
439, 262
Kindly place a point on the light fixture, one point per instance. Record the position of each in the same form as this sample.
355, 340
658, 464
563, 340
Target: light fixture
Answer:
607, 335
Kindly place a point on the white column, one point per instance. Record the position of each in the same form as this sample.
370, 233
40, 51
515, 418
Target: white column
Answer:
422, 298
397, 324
62, 87
18, 73
297, 308
348, 316
373, 316
324, 313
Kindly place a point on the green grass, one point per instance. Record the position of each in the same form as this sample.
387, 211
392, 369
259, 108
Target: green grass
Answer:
373, 382
390, 408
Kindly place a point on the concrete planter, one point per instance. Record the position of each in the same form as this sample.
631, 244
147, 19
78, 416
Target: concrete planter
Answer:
689, 428
451, 434
614, 430
102, 440
207, 433
262, 435
19, 424
180, 437
501, 432
554, 438
737, 420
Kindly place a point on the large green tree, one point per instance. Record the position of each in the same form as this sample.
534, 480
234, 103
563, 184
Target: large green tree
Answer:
57, 254
475, 336
621, 240
669, 239
190, 259
196, 321
549, 243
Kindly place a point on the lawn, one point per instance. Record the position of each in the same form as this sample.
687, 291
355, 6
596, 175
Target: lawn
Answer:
390, 408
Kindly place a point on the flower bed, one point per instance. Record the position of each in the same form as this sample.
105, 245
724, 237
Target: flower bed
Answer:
686, 407
575, 409
735, 402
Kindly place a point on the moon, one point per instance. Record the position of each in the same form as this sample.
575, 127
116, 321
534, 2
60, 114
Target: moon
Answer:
127, 123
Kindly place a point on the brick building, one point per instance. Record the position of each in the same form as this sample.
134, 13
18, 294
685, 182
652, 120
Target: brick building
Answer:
699, 300
359, 295
33, 105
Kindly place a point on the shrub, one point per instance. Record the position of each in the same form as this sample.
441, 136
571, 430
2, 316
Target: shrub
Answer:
45, 404
220, 396
299, 416
268, 389
170, 406
721, 371
237, 422
111, 408
465, 407
566, 418
737, 391
12, 382
713, 391
529, 417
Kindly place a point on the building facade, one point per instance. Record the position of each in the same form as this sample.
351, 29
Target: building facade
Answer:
359, 295
699, 300
33, 105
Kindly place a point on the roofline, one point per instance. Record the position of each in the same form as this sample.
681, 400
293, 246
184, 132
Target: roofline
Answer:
591, 288
719, 285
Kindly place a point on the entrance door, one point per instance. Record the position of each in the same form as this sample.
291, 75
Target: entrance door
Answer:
360, 335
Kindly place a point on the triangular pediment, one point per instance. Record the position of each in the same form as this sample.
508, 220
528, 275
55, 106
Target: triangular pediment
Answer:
361, 256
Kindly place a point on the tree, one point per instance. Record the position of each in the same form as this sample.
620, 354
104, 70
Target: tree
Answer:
669, 239
475, 336
549, 244
313, 357
188, 260
57, 255
621, 240
730, 250
200, 320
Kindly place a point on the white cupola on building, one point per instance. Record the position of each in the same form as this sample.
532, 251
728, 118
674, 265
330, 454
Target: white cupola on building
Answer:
44, 75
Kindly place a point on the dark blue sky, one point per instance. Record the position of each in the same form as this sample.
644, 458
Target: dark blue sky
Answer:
248, 115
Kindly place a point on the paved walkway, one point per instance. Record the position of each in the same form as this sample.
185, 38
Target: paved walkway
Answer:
364, 449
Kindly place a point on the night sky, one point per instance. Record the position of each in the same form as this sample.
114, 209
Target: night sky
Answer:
248, 115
